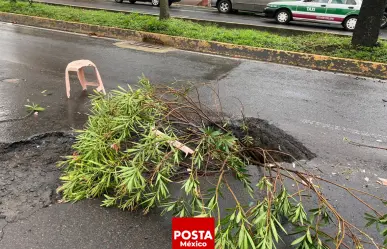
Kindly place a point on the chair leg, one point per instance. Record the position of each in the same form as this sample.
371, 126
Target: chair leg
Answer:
99, 80
82, 79
67, 79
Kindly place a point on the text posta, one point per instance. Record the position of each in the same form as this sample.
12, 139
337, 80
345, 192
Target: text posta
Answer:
193, 235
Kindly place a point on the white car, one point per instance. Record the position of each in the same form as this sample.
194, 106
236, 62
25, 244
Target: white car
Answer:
343, 12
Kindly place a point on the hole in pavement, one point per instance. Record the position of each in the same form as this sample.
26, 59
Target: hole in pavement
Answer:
270, 137
29, 175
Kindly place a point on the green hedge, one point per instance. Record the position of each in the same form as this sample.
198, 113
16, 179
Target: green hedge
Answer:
324, 44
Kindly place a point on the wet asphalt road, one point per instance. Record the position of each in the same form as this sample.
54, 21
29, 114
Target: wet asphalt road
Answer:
318, 108
37, 60
210, 14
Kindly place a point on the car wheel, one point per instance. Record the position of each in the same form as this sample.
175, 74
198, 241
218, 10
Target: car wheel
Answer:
224, 6
350, 23
155, 2
119, 1
169, 3
283, 16
383, 24
132, 1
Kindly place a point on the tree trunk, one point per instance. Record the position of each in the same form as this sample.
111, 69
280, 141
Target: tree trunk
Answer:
367, 28
164, 9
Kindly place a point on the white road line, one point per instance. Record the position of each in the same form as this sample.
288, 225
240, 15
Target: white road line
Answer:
344, 129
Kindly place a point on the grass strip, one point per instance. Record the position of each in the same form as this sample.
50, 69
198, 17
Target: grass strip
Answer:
323, 44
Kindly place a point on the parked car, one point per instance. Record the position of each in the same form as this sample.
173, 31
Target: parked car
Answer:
153, 2
344, 12
227, 6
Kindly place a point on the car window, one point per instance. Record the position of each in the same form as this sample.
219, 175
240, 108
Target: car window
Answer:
351, 2
338, 1
316, 1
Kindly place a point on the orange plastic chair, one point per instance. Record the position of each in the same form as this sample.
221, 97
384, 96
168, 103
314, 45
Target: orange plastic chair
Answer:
78, 66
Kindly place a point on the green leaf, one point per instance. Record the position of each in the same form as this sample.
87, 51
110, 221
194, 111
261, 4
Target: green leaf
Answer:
299, 229
239, 217
279, 224
212, 202
305, 244
309, 237
241, 235
298, 240
273, 230
232, 217
251, 241
34, 107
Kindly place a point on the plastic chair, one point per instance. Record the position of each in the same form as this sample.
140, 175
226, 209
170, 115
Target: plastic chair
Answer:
78, 66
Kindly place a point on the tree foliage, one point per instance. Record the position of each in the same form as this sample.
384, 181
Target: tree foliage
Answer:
120, 157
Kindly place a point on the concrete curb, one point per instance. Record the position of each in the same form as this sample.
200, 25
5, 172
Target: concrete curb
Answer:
319, 62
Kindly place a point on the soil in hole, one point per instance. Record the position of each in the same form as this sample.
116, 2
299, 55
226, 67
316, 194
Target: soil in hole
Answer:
270, 137
29, 175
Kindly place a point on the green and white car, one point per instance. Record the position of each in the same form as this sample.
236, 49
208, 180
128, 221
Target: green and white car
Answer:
343, 12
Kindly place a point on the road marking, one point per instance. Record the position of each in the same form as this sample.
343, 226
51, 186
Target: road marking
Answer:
13, 81
344, 129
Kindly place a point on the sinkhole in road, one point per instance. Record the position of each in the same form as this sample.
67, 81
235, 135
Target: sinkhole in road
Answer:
269, 137
29, 176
